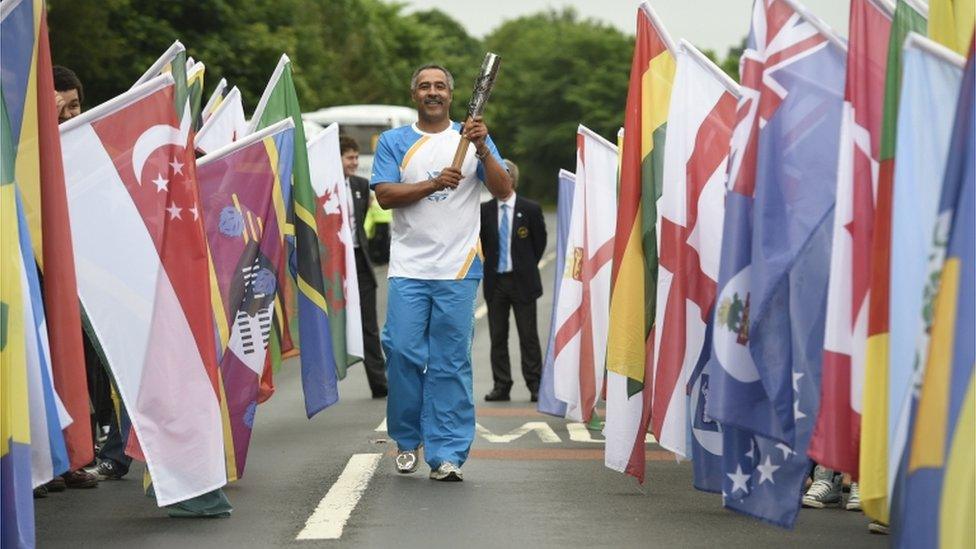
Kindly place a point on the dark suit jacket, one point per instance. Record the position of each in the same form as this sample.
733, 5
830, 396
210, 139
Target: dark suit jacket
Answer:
360, 204
528, 242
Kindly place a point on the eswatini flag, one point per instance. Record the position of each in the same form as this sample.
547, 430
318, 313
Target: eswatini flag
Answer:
873, 458
28, 92
242, 225
634, 274
143, 279
692, 208
837, 435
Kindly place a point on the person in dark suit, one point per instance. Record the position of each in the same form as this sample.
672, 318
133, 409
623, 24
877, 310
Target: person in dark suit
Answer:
513, 237
359, 197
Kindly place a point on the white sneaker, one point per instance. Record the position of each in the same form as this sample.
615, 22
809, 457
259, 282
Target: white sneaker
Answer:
447, 472
825, 490
406, 461
854, 499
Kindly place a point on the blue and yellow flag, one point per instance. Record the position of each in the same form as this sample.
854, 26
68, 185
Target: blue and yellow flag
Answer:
941, 472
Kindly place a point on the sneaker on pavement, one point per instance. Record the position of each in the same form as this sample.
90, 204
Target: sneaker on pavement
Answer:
109, 470
80, 479
877, 528
447, 472
825, 490
854, 499
40, 492
56, 484
406, 461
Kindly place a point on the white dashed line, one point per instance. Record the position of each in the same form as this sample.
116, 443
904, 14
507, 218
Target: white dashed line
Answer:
332, 513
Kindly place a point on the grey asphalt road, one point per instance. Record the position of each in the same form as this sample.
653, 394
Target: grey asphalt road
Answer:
521, 493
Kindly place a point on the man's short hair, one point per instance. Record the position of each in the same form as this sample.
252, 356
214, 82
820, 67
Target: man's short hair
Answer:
513, 171
347, 143
416, 75
65, 79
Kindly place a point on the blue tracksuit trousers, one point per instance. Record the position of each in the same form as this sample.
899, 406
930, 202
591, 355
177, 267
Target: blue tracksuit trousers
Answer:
427, 340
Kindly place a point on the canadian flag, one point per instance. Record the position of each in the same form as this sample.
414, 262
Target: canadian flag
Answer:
143, 278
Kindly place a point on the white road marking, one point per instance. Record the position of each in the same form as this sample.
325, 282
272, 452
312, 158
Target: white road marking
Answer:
332, 513
545, 432
579, 433
481, 311
382, 427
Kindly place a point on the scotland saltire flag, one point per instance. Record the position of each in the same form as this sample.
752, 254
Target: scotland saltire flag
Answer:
548, 403
764, 376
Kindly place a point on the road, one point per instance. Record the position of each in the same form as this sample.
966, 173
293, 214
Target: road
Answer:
546, 488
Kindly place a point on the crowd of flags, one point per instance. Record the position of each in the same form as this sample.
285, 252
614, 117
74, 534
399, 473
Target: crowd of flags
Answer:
777, 287
194, 247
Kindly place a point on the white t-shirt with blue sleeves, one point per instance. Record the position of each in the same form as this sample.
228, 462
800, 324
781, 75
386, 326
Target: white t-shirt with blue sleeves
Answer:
436, 238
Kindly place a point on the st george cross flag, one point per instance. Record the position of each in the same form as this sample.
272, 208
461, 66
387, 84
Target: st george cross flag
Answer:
224, 126
17, 510
332, 213
143, 279
548, 403
28, 93
931, 78
216, 98
692, 207
236, 185
769, 320
584, 292
319, 375
634, 271
938, 504
873, 459
837, 434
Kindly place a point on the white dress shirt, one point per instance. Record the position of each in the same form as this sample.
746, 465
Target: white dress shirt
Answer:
350, 208
510, 202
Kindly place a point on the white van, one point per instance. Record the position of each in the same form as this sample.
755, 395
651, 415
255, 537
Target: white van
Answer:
364, 123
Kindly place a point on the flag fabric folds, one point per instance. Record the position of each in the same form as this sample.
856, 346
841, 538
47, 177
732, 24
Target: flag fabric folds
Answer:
236, 194
216, 98
837, 434
938, 503
194, 85
143, 279
319, 373
584, 292
951, 23
332, 213
873, 458
548, 403
225, 124
692, 208
931, 76
634, 271
770, 309
28, 91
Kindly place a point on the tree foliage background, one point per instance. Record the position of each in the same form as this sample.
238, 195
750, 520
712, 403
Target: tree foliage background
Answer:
557, 70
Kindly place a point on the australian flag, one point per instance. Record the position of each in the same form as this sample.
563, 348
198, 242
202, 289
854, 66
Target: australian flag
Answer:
764, 373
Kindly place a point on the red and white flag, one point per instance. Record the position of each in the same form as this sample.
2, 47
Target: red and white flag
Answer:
143, 279
692, 209
837, 434
224, 126
583, 315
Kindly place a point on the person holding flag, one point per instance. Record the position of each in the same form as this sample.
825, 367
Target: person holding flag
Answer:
435, 266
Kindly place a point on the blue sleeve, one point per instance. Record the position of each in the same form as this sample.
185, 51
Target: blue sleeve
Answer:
386, 168
495, 153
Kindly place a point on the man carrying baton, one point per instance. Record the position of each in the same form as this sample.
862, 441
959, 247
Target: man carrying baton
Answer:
435, 266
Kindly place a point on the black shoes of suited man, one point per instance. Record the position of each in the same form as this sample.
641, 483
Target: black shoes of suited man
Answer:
501, 395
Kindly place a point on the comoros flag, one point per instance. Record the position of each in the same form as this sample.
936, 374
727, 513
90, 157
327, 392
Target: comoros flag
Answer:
548, 403
143, 278
768, 329
692, 207
224, 125
236, 185
837, 434
584, 292
333, 213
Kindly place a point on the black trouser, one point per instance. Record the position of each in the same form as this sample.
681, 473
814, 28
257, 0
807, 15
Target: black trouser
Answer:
373, 359
118, 437
502, 300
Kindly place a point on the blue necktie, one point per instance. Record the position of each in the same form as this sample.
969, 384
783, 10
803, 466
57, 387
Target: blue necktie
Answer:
503, 241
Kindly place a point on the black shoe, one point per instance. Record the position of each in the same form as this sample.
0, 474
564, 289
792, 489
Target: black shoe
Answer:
497, 395
40, 492
109, 470
57, 484
534, 396
380, 393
